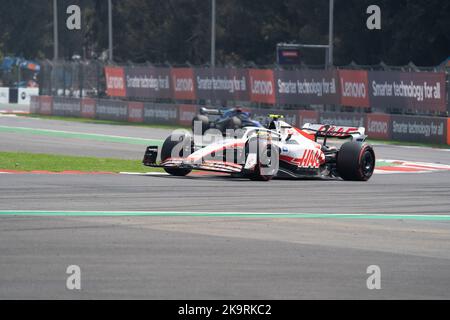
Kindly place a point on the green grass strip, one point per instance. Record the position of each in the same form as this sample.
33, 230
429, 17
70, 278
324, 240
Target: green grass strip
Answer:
23, 161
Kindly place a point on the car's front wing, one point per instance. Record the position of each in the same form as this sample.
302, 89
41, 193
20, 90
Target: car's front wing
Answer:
184, 163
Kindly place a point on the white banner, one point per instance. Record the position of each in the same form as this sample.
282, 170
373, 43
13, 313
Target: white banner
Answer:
4, 95
24, 96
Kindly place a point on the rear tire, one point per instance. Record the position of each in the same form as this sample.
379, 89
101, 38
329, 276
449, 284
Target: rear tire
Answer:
234, 123
204, 120
166, 151
355, 161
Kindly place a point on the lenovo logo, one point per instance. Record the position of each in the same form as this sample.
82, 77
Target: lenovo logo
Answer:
353, 89
115, 83
374, 126
184, 85
262, 87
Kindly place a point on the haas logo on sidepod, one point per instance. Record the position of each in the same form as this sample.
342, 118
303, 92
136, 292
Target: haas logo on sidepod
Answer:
311, 159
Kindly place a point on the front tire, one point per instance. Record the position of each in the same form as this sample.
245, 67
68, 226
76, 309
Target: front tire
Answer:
355, 161
185, 148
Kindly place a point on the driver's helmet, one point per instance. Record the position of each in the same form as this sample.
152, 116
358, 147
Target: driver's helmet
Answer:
273, 121
272, 125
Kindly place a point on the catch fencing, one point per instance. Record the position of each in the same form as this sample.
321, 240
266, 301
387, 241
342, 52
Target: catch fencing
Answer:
405, 104
397, 91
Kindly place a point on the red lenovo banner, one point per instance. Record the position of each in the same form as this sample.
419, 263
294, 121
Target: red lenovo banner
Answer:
307, 116
407, 90
135, 112
88, 108
115, 82
46, 105
183, 84
354, 88
306, 87
378, 126
186, 113
262, 86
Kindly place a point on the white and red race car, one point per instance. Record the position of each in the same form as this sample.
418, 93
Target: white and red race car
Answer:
280, 150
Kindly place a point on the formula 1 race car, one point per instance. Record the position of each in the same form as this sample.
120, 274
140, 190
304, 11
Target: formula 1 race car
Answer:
233, 119
280, 150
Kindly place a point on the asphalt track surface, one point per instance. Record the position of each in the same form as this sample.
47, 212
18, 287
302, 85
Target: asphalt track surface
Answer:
209, 257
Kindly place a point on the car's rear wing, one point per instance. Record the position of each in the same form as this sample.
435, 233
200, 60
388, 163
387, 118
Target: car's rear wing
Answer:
340, 132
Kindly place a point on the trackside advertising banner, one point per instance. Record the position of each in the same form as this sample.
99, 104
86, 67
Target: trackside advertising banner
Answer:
290, 116
241, 83
63, 106
343, 119
115, 82
4, 95
24, 95
419, 129
262, 86
46, 105
135, 112
159, 113
357, 88
88, 108
378, 126
354, 89
410, 90
221, 84
183, 84
307, 87
148, 82
448, 131
307, 116
111, 110
186, 113
34, 103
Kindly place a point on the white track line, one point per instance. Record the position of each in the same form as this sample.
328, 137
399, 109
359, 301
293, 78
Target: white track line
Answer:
145, 173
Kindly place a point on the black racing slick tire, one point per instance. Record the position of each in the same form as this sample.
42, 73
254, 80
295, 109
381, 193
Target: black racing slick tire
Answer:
183, 144
204, 123
355, 161
234, 123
